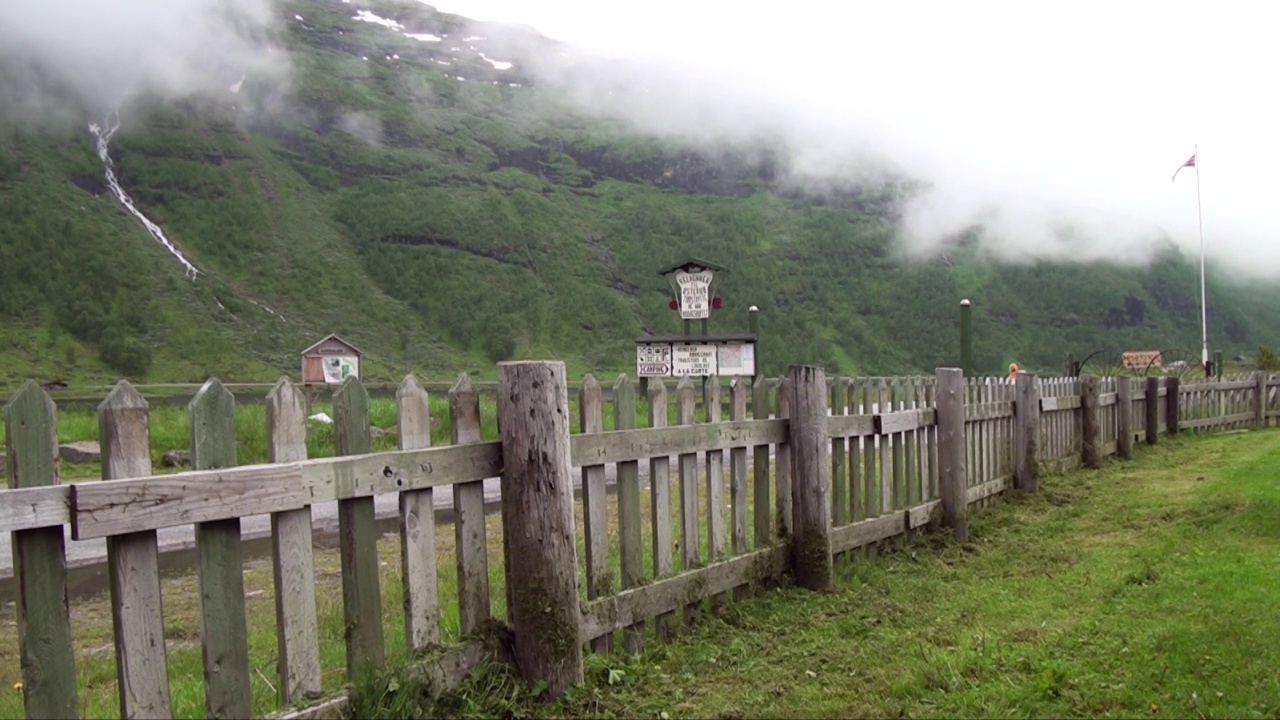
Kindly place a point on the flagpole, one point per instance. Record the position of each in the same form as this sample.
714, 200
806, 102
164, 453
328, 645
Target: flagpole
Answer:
1204, 310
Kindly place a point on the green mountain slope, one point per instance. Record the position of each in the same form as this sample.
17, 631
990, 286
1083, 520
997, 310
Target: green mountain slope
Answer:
443, 213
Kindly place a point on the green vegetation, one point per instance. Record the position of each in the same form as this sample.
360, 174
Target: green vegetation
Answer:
1144, 589
444, 225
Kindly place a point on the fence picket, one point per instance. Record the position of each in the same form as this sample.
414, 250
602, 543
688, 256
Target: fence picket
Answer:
39, 560
223, 627
470, 533
631, 548
293, 563
358, 538
660, 504
760, 410
417, 525
595, 509
686, 409
133, 567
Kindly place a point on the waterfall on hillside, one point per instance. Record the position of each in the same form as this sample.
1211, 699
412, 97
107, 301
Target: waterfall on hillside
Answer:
104, 139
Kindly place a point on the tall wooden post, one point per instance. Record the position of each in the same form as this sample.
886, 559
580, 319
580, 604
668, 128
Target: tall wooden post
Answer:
1260, 399
966, 337
1091, 447
1026, 433
952, 474
1171, 405
810, 477
1153, 410
537, 514
1124, 417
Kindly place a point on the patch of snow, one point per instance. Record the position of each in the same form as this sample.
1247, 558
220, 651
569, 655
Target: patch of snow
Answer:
444, 62
515, 85
395, 56
236, 88
364, 58
473, 38
298, 18
461, 79
455, 49
424, 37
367, 16
497, 64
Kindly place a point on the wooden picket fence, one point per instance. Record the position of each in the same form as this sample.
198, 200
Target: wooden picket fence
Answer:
806, 470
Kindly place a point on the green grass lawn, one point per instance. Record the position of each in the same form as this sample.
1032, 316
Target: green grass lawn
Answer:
1145, 589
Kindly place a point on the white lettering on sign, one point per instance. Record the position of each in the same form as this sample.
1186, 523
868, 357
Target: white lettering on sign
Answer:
653, 360
695, 294
695, 360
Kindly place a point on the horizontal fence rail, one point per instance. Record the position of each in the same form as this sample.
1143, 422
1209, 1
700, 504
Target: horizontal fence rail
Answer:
695, 496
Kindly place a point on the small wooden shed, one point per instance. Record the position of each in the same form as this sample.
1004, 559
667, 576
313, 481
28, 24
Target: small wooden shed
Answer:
330, 361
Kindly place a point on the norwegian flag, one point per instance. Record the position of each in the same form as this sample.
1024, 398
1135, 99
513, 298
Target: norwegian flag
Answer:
1191, 162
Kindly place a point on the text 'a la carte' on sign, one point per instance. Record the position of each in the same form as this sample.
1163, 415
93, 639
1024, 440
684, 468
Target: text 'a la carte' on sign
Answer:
709, 356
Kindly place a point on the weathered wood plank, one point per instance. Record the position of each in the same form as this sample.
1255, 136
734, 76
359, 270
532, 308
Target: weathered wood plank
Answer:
686, 408
115, 508
1092, 423
984, 409
762, 508
990, 488
595, 510
1172, 405
867, 532
293, 563
358, 539
642, 444
660, 504
1026, 433
716, 536
1064, 402
738, 391
1107, 398
1210, 422
906, 420
224, 631
631, 547
537, 514
37, 507
852, 426
1152, 407
782, 469
951, 452
398, 471
1124, 418
839, 446
133, 565
811, 559
417, 525
39, 562
887, 497
607, 614
470, 532
856, 493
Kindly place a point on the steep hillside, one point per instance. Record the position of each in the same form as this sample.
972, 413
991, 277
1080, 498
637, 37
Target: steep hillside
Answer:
418, 190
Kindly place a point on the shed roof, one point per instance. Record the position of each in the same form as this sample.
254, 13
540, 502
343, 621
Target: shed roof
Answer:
331, 336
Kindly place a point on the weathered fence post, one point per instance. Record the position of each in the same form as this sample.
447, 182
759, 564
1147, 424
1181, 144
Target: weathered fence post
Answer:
358, 538
783, 492
1152, 407
810, 477
1091, 447
133, 564
537, 513
1259, 399
469, 530
952, 474
417, 525
40, 563
1124, 418
1026, 433
224, 632
1172, 405
297, 635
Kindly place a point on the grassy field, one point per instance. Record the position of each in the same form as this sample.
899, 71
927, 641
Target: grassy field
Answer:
1145, 589
1141, 589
